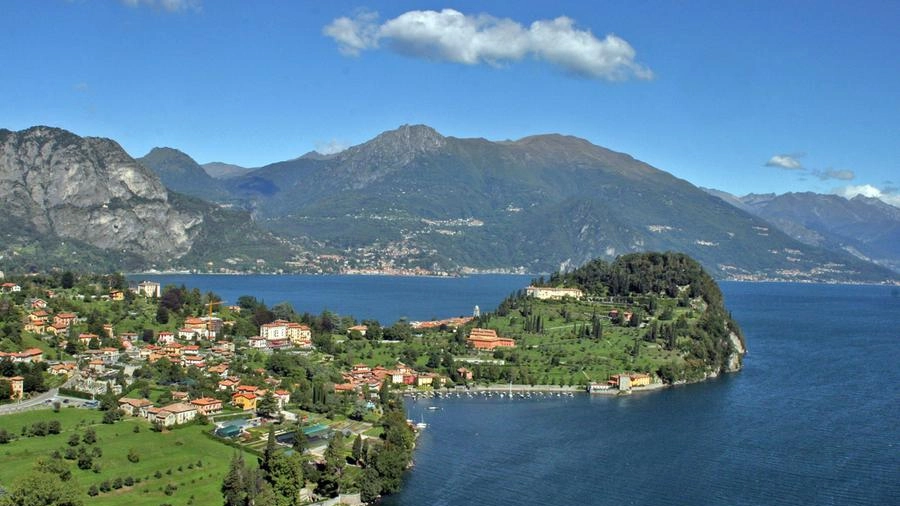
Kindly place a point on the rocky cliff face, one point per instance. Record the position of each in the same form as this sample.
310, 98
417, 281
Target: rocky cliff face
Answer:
91, 190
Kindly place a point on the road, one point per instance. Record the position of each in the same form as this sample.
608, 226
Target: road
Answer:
35, 402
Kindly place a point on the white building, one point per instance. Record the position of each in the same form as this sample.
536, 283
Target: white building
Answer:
546, 292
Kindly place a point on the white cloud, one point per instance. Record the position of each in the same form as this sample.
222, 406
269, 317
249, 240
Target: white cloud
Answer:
354, 35
167, 5
452, 36
331, 147
867, 190
842, 174
787, 162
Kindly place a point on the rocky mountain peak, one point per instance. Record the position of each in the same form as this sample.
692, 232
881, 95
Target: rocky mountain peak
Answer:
88, 188
390, 151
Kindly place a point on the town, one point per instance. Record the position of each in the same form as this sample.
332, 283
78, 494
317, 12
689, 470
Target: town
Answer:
321, 391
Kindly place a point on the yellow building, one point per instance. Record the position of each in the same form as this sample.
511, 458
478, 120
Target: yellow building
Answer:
640, 380
244, 401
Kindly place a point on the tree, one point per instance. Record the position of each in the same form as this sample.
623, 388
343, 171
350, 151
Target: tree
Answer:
300, 440
329, 484
43, 489
287, 477
267, 406
357, 449
162, 315
133, 456
5, 389
265, 460
67, 280
4, 437
237, 486
370, 485
90, 436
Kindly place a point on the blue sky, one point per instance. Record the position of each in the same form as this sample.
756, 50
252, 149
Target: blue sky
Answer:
740, 96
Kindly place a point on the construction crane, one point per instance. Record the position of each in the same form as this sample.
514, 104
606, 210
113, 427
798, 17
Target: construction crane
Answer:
209, 320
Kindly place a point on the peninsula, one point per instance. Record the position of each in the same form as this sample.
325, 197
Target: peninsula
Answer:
309, 401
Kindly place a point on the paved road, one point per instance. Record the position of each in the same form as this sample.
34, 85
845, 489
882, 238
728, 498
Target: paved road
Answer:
34, 402
37, 401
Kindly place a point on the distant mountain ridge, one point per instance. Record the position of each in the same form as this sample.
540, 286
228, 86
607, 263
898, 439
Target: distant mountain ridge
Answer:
220, 170
179, 172
413, 197
865, 227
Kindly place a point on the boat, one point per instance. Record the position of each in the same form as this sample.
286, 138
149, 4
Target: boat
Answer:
421, 425
433, 408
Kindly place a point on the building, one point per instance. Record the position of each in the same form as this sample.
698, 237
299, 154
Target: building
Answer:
135, 407
244, 400
276, 330
487, 339
65, 319
552, 293
207, 405
628, 381
31, 356
362, 329
300, 335
18, 387
148, 289
174, 414
11, 287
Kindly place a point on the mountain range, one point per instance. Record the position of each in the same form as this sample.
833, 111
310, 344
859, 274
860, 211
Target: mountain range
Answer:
863, 226
409, 200
413, 198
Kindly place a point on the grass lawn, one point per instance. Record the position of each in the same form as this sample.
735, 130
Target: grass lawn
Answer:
174, 454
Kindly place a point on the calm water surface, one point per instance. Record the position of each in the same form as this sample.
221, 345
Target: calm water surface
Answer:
814, 417
384, 298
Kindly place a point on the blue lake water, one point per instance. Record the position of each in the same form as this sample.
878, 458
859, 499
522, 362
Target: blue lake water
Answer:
384, 298
814, 417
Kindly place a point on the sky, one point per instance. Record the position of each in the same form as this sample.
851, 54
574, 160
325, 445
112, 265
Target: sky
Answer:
761, 97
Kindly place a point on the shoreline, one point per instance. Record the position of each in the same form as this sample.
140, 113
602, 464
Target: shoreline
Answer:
468, 274
518, 389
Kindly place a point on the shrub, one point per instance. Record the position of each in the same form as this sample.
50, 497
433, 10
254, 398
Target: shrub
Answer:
170, 489
129, 481
105, 486
157, 474
133, 455
117, 483
96, 468
93, 490
85, 461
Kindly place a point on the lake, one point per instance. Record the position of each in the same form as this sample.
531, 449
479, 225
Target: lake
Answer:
383, 298
812, 418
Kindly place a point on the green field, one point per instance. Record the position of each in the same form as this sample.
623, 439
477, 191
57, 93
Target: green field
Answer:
184, 457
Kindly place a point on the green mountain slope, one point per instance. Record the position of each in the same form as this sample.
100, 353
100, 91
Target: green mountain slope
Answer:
537, 203
179, 172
